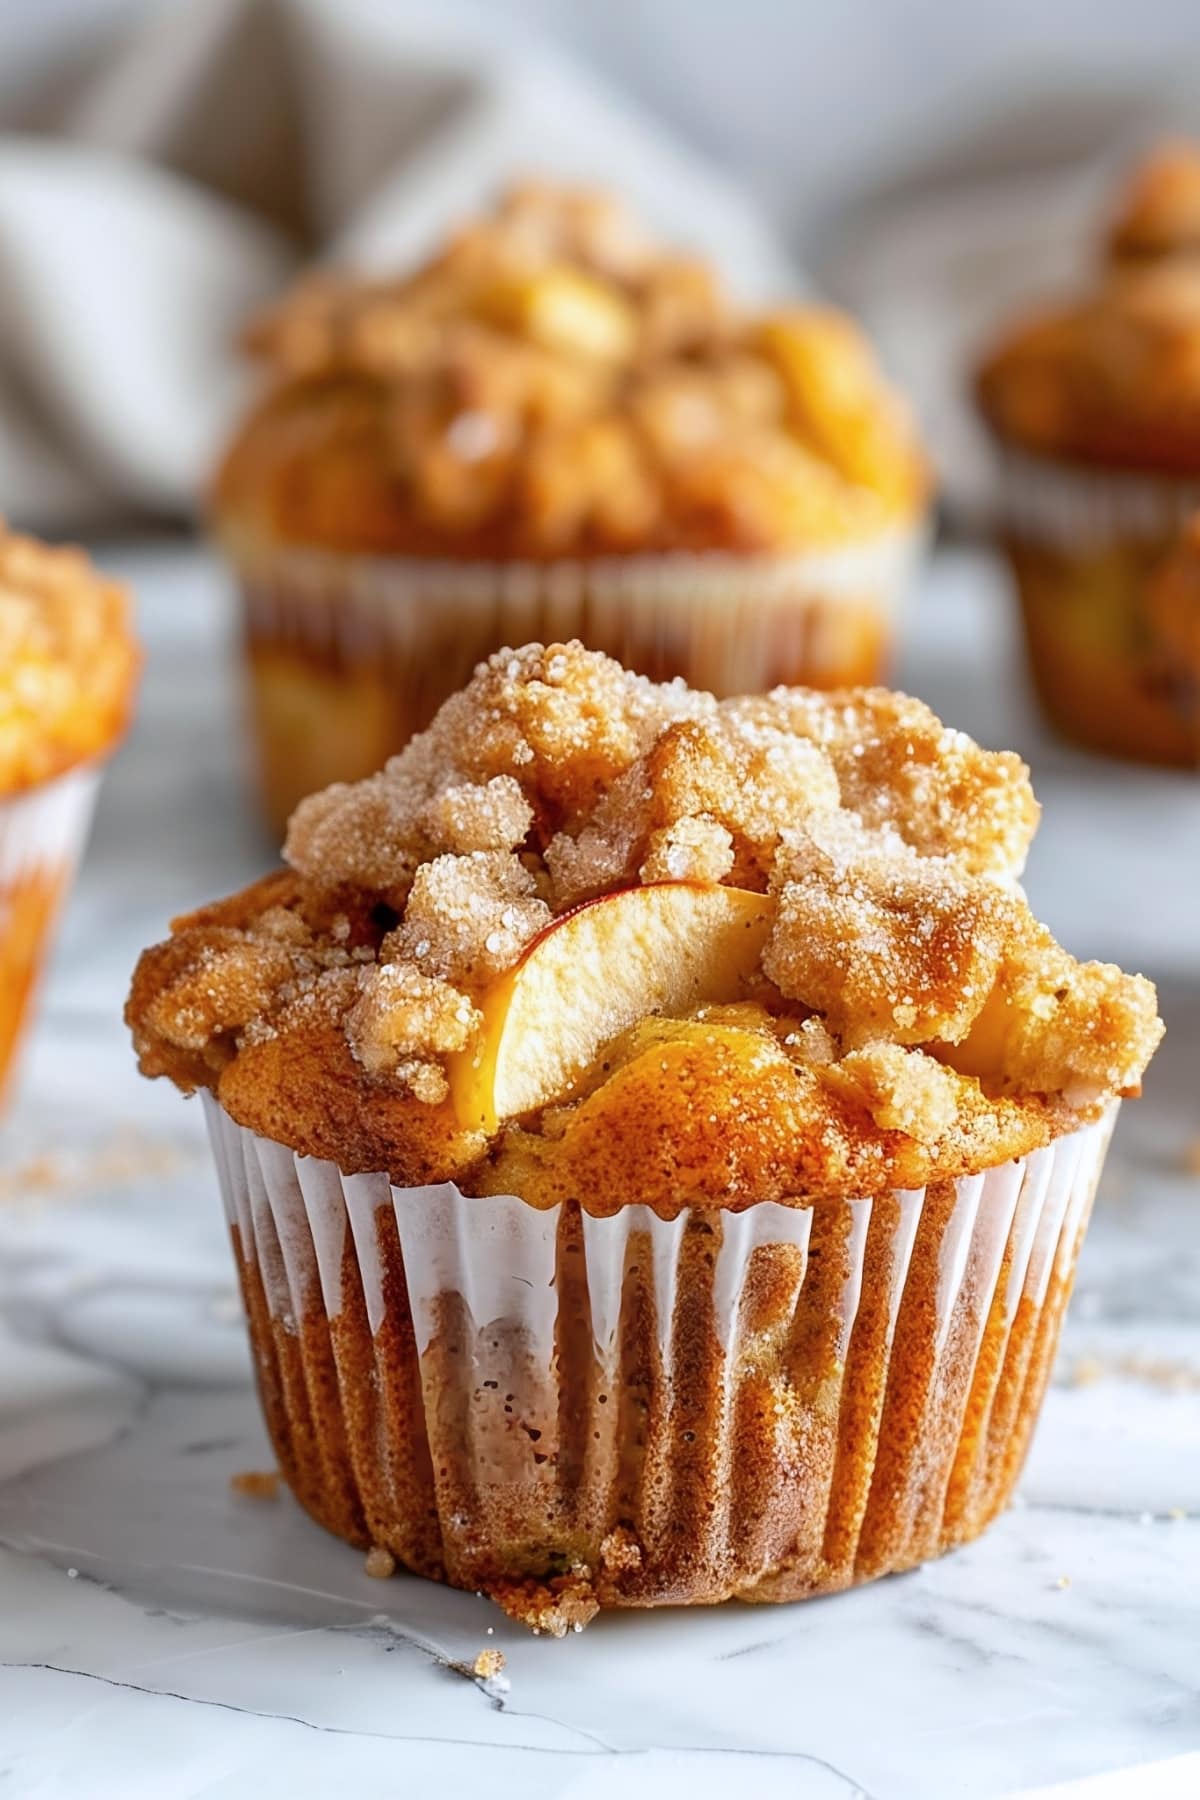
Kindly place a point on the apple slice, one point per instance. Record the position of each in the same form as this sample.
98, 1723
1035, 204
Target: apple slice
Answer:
594, 972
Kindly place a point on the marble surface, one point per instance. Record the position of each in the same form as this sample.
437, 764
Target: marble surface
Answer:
160, 1636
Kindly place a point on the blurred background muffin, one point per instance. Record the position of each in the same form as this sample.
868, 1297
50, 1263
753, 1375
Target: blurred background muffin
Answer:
554, 428
1094, 406
1159, 212
68, 663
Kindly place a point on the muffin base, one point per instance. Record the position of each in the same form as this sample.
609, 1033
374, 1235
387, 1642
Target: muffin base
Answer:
567, 1412
349, 656
1083, 545
42, 832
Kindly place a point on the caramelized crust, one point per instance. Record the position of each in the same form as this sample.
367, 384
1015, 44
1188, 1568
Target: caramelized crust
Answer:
1159, 212
1110, 379
552, 383
68, 660
910, 1020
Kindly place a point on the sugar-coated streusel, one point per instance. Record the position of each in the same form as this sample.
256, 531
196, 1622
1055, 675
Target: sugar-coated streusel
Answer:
908, 1017
67, 660
552, 383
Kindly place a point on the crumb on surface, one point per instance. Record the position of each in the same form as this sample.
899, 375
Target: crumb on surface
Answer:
379, 1563
256, 1484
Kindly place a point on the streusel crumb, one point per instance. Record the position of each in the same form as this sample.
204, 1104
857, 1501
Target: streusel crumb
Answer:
68, 661
902, 1015
553, 383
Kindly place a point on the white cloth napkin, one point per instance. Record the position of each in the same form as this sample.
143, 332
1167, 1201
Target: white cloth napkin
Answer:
217, 147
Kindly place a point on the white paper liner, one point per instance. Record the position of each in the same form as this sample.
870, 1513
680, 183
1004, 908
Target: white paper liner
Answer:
930, 1319
46, 826
725, 621
1077, 510
42, 833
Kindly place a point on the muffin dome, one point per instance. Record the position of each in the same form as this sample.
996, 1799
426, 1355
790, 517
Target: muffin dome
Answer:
553, 383
68, 661
761, 948
1112, 379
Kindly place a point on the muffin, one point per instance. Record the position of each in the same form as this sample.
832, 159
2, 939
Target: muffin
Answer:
656, 1137
68, 664
1094, 408
554, 428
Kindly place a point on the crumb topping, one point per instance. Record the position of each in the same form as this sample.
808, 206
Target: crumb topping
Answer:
1158, 214
554, 382
67, 660
1111, 378
908, 1015
1112, 374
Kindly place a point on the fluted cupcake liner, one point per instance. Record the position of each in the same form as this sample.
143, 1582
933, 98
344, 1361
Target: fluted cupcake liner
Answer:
42, 833
568, 1411
1079, 509
351, 654
1085, 545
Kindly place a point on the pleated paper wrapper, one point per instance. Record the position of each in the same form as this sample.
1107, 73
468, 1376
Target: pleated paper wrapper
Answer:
1086, 546
567, 1411
351, 654
42, 833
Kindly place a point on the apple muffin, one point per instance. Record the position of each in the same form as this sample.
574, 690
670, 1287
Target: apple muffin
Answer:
656, 1137
1093, 404
68, 665
554, 428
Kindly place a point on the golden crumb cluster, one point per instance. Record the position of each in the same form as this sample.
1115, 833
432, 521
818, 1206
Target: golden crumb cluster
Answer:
553, 382
1112, 376
67, 660
907, 1016
1159, 212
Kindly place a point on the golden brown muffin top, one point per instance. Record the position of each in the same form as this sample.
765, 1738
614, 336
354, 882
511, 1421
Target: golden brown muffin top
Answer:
899, 1016
68, 660
1158, 214
555, 383
1111, 379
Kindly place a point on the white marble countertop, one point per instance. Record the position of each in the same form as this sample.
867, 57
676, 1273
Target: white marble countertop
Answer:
160, 1636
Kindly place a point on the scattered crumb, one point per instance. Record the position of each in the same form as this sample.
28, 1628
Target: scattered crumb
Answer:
72, 1574
256, 1484
1170, 1374
1175, 1513
126, 1156
1064, 1581
558, 1605
1085, 1370
379, 1563
620, 1553
488, 1664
